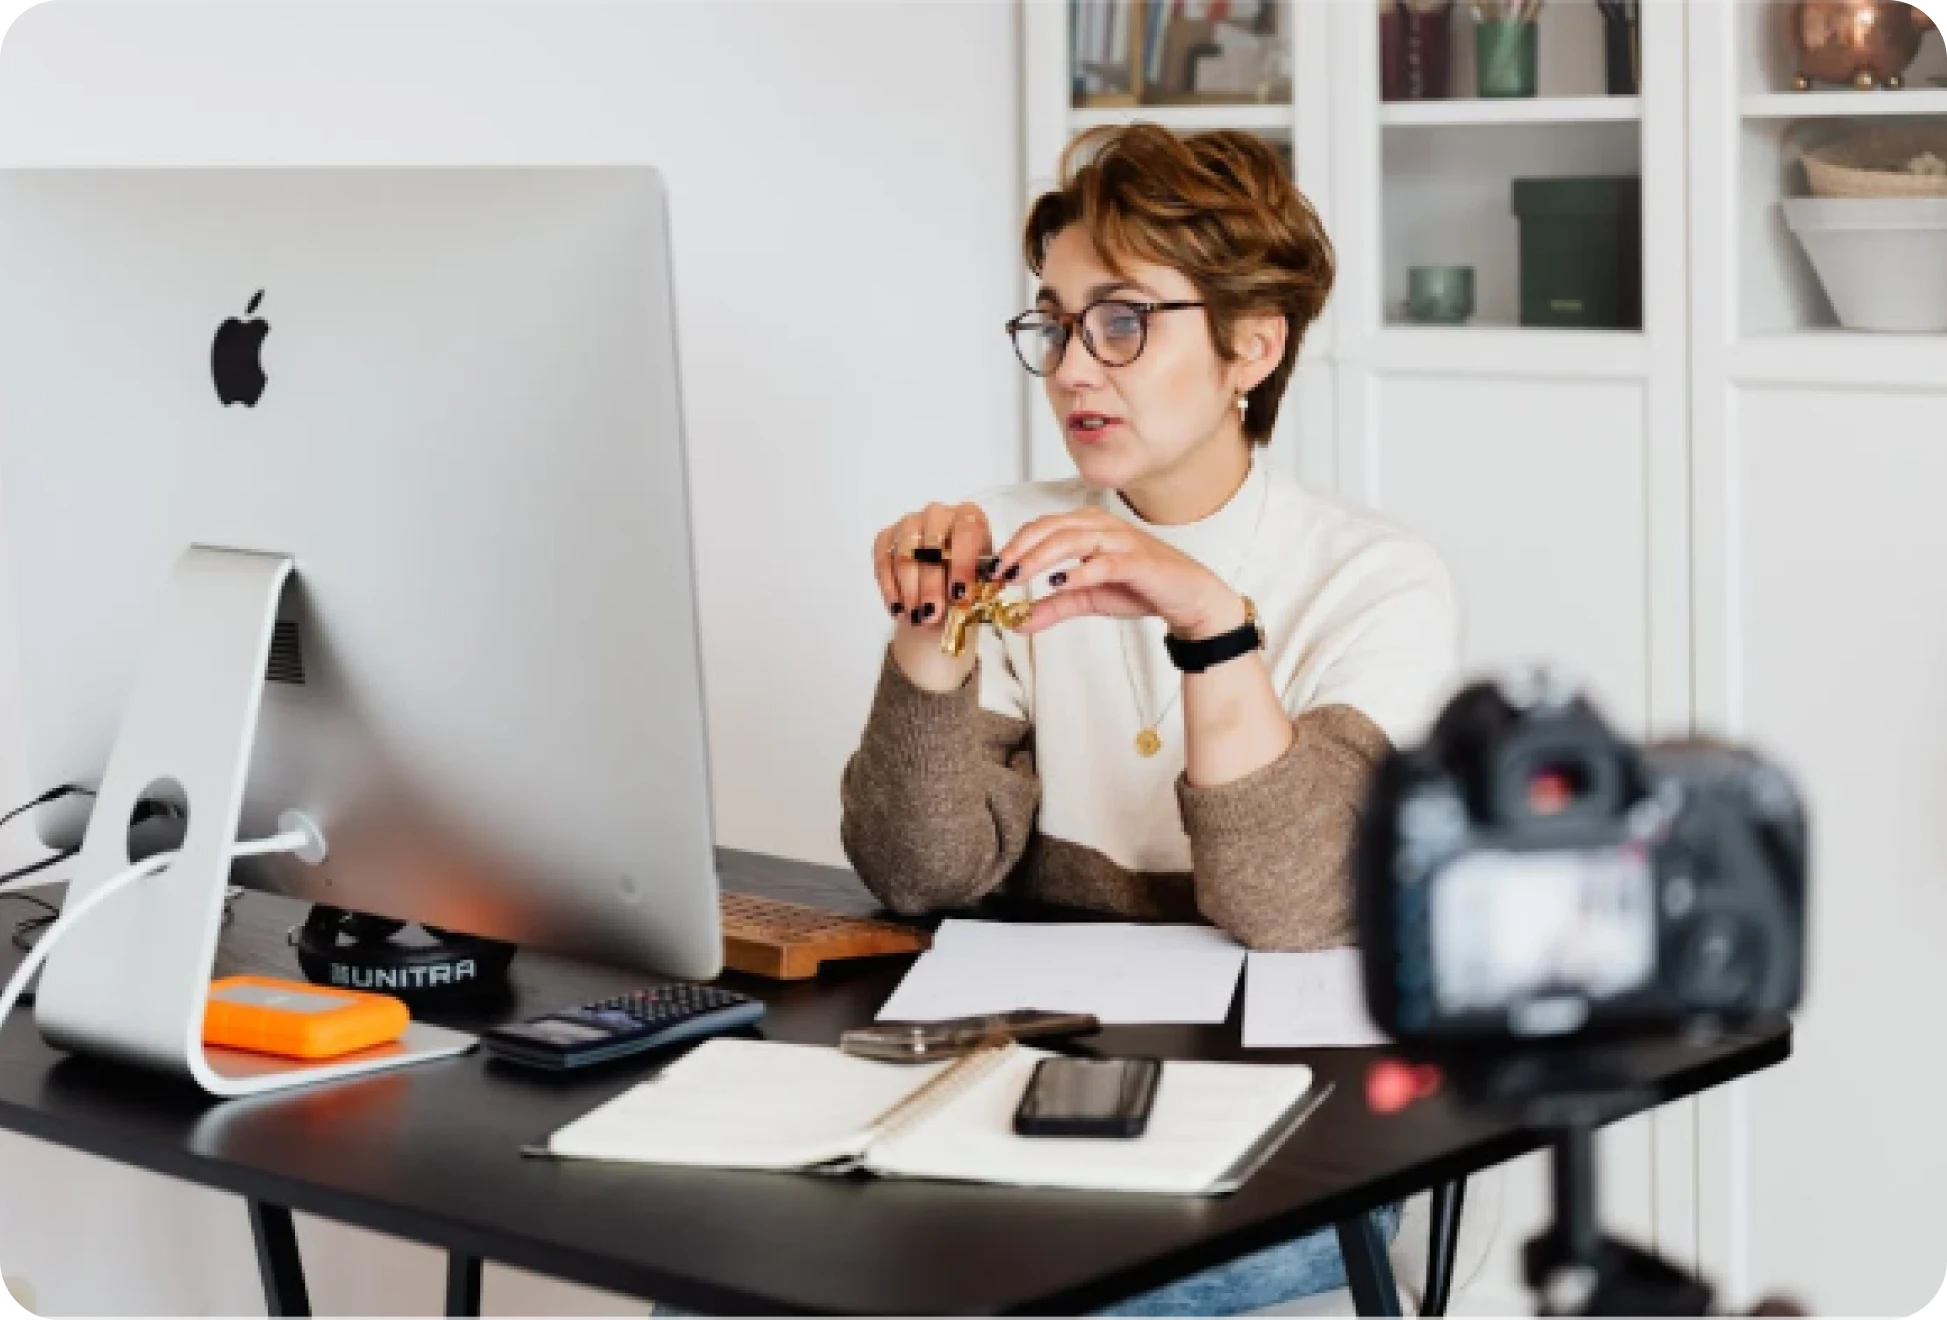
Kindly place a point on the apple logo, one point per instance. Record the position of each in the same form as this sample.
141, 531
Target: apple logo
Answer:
236, 358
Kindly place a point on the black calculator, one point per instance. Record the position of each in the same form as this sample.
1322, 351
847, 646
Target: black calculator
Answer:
627, 1024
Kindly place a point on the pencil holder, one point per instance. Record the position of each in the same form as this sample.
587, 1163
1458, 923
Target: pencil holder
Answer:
1504, 58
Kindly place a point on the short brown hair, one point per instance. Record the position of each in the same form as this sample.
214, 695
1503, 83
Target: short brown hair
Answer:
1218, 206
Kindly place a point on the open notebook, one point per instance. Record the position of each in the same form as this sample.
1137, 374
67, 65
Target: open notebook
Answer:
744, 1104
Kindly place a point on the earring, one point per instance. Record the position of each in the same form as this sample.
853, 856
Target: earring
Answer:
1243, 403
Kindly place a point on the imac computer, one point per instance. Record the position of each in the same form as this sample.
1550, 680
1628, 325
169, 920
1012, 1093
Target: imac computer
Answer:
360, 494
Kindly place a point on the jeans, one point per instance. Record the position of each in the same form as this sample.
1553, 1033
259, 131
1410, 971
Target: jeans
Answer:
1282, 1273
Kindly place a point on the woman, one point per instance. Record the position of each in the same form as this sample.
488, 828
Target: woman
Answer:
1138, 746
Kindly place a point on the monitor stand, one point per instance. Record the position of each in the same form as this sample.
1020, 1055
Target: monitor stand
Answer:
129, 982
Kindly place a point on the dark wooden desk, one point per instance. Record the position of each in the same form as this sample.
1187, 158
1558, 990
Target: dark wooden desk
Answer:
430, 1154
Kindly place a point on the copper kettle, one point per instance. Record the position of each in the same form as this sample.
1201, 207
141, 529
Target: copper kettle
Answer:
1868, 43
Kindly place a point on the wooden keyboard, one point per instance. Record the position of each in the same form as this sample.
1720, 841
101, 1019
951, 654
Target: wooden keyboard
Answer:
787, 941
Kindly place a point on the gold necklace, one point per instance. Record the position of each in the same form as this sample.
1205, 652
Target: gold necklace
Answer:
1149, 740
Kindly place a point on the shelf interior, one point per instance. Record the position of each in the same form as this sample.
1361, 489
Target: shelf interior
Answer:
1446, 200
1779, 291
1569, 55
1154, 55
1768, 61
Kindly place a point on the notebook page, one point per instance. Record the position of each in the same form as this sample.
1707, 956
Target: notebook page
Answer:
1206, 1117
746, 1104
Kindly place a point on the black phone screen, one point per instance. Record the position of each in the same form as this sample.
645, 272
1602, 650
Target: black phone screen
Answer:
1088, 1098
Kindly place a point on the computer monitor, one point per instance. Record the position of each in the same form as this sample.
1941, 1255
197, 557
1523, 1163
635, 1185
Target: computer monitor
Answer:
450, 397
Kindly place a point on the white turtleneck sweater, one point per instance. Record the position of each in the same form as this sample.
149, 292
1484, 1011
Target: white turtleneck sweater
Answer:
1030, 777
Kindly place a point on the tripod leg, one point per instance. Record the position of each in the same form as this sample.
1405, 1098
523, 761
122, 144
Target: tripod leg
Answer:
1368, 1269
1443, 1242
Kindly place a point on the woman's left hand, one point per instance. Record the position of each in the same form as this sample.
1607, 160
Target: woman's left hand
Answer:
1124, 573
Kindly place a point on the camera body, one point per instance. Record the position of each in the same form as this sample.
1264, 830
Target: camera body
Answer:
1525, 875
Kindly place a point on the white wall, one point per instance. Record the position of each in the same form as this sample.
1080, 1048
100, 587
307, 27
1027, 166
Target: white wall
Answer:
844, 185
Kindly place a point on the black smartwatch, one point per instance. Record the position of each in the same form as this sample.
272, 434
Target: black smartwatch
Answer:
1195, 657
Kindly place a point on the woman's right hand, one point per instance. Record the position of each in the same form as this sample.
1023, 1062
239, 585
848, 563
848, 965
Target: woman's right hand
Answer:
919, 595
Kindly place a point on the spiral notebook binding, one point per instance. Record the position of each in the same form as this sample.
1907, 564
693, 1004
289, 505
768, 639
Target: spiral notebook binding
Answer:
939, 1091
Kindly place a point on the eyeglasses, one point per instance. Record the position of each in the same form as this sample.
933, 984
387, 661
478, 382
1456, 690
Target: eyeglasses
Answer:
1114, 332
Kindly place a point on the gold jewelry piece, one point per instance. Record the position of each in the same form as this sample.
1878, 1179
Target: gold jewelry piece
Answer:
1149, 740
985, 607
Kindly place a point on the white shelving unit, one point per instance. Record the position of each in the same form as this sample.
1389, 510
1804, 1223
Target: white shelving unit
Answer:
1536, 110
1490, 351
1273, 119
1653, 509
1810, 445
1843, 105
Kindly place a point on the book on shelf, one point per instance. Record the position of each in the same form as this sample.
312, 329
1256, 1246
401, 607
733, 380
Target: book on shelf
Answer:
1177, 52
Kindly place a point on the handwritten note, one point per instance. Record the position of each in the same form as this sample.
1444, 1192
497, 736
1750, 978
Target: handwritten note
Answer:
1292, 1000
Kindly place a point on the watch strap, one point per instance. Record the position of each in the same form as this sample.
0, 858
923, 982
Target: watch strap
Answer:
1193, 657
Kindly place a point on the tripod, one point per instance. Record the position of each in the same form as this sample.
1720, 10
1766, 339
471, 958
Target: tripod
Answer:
1572, 1267
1575, 1270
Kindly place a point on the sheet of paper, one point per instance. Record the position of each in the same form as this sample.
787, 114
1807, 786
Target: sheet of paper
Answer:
1122, 973
1301, 999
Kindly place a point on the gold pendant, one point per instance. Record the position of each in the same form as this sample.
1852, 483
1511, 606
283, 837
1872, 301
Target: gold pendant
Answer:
1149, 742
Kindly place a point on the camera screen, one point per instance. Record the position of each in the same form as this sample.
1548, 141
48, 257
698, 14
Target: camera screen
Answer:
1511, 927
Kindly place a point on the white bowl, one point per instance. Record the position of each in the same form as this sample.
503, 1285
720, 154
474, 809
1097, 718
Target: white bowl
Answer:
1882, 260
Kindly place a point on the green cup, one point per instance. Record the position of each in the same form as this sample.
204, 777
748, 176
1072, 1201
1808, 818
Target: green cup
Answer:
1504, 58
1440, 295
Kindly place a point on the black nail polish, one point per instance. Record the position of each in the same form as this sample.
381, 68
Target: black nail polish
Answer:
898, 608
1013, 571
959, 591
926, 611
913, 618
1057, 579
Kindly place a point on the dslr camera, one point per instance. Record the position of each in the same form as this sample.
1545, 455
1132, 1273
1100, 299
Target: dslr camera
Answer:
1528, 877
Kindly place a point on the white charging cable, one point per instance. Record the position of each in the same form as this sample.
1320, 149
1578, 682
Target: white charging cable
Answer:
297, 834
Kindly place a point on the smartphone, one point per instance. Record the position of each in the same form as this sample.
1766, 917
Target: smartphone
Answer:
919, 1042
1088, 1098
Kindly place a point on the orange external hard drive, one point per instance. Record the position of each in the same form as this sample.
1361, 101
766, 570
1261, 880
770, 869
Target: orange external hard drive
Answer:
299, 1020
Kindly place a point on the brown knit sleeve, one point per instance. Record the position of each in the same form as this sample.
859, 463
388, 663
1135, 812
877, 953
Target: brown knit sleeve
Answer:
939, 801
1271, 853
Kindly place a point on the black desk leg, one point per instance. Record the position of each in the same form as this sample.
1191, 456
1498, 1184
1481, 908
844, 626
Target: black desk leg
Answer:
1443, 1242
462, 1284
1367, 1267
277, 1260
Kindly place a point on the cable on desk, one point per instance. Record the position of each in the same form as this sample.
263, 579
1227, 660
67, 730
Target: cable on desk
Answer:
52, 795
28, 929
302, 837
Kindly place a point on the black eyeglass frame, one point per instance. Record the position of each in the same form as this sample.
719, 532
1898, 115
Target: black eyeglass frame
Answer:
1069, 321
